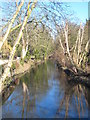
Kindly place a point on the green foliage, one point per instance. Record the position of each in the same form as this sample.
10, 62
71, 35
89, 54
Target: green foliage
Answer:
36, 54
22, 62
13, 66
19, 50
7, 81
40, 45
27, 57
40, 41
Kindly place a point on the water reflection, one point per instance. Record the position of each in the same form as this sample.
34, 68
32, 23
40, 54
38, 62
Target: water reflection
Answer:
77, 96
45, 93
25, 96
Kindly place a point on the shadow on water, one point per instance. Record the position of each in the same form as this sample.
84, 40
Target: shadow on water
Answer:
44, 92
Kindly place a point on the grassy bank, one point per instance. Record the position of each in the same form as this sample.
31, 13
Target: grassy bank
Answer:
19, 70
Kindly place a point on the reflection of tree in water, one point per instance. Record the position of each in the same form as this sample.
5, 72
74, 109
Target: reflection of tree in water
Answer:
38, 79
8, 90
32, 83
35, 84
25, 94
76, 91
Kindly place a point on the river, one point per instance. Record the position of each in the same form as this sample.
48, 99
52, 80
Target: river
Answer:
43, 92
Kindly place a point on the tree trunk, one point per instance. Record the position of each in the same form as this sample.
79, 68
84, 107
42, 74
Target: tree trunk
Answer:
5, 74
67, 44
11, 23
24, 50
23, 47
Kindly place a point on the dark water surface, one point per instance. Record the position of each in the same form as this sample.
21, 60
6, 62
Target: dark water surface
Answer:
43, 92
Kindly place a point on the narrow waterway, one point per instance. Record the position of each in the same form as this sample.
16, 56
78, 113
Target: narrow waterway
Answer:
44, 92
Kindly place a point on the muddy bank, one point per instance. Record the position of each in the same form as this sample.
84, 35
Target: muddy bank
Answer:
20, 69
77, 78
18, 72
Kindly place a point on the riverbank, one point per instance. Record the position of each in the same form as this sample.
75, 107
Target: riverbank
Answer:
78, 77
19, 71
44, 92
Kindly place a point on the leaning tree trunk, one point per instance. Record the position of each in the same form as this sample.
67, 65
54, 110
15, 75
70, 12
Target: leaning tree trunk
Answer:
11, 23
5, 74
23, 46
67, 43
25, 49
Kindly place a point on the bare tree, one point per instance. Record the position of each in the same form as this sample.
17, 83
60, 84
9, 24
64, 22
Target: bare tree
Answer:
11, 23
5, 74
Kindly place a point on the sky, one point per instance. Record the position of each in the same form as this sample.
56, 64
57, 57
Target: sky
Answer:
80, 10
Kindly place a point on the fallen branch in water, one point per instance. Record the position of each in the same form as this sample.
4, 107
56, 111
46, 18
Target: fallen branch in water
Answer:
79, 78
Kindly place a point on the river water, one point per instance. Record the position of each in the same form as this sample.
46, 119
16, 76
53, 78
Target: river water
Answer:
44, 92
